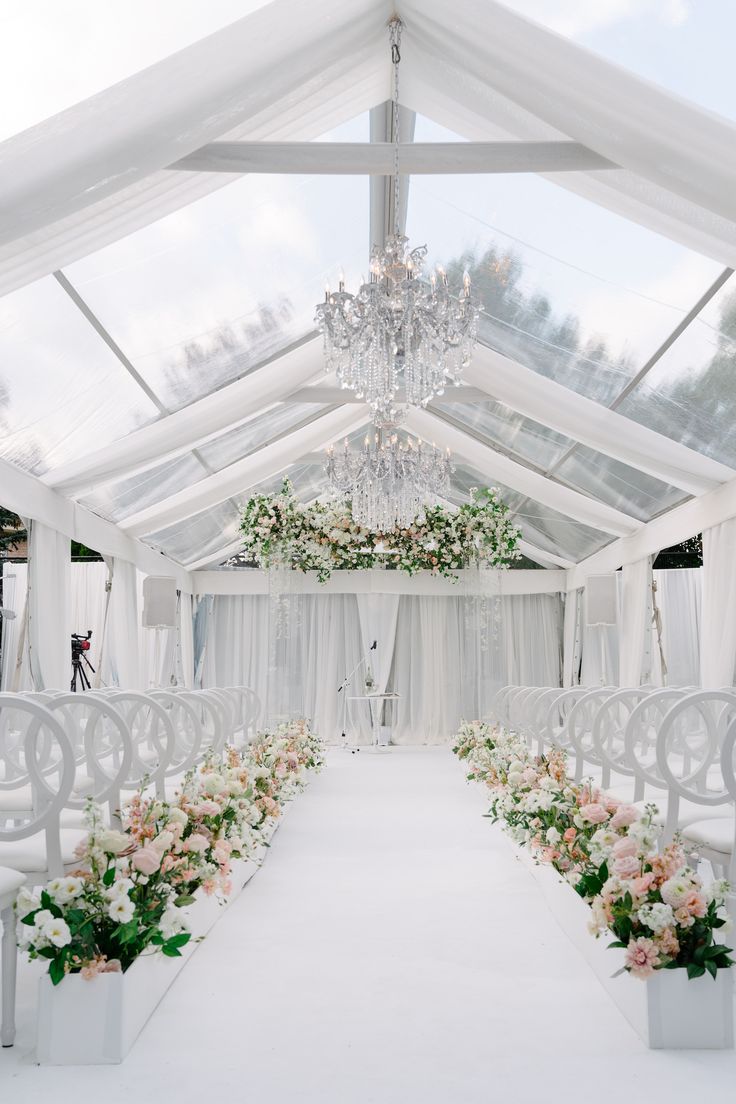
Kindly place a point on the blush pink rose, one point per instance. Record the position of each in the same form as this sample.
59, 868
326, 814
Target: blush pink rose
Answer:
641, 886
624, 847
196, 843
594, 813
641, 957
624, 816
628, 867
146, 860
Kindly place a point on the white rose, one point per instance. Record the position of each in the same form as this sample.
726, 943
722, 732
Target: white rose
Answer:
177, 816
121, 909
657, 916
57, 932
112, 842
553, 836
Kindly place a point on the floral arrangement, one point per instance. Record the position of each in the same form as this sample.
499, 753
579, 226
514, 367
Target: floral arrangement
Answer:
279, 530
130, 892
658, 908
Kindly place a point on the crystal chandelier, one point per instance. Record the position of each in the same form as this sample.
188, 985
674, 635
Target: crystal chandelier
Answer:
389, 481
400, 330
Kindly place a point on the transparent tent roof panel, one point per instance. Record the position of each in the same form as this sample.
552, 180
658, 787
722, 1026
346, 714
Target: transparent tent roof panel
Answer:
63, 393
570, 289
202, 296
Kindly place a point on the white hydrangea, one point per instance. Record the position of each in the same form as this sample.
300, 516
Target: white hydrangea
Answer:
657, 916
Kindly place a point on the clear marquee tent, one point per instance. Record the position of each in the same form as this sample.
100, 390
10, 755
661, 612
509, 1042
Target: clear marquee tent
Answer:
163, 244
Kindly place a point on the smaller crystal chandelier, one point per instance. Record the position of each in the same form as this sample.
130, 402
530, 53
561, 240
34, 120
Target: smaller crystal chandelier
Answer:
389, 482
399, 329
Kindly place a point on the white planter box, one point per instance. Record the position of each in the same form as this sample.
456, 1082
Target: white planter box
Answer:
96, 1022
668, 1011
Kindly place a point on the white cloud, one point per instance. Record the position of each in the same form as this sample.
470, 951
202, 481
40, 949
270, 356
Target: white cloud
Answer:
576, 18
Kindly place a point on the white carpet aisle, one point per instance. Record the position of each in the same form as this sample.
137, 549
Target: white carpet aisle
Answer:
391, 950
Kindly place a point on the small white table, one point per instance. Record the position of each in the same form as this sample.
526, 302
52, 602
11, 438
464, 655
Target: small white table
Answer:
375, 701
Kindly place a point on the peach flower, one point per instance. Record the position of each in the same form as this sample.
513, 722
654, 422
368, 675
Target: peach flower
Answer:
642, 956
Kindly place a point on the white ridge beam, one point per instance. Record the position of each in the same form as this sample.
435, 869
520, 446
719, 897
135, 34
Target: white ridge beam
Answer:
238, 477
568, 502
194, 424
377, 158
553, 405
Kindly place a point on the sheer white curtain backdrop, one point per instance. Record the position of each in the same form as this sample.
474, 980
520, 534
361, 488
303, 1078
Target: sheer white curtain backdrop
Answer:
718, 627
14, 668
634, 623
450, 655
679, 592
48, 609
378, 614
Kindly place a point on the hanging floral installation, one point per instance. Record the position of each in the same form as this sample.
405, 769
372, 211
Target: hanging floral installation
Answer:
280, 531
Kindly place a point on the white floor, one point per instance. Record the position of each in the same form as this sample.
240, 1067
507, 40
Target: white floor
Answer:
392, 949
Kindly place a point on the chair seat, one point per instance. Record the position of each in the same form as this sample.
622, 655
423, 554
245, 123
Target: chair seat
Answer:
688, 812
18, 800
29, 855
716, 834
10, 883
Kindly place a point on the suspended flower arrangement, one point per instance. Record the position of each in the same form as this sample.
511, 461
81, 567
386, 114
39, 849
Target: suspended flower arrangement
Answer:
279, 531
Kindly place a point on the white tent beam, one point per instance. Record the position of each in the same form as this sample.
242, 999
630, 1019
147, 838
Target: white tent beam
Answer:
375, 581
238, 477
670, 528
193, 425
377, 158
27, 496
568, 502
591, 424
328, 395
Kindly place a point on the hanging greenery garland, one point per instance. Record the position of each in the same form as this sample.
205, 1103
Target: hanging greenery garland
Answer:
278, 530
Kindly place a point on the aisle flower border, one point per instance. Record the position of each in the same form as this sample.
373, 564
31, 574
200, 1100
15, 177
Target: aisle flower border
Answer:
278, 530
130, 894
656, 906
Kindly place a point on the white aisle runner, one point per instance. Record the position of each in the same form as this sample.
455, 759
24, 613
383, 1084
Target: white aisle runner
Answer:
391, 950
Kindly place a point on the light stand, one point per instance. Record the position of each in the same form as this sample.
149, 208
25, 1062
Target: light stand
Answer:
343, 687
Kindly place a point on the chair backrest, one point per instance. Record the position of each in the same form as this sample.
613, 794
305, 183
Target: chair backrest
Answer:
498, 708
515, 704
526, 711
48, 768
689, 743
580, 728
103, 749
152, 736
211, 716
189, 745
609, 727
555, 724
538, 715
640, 738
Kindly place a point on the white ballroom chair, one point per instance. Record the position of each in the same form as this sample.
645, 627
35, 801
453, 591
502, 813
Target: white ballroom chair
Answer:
579, 728
554, 732
152, 735
211, 716
607, 734
691, 739
498, 709
189, 742
538, 716
10, 882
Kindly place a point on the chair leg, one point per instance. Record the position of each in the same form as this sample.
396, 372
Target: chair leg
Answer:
9, 963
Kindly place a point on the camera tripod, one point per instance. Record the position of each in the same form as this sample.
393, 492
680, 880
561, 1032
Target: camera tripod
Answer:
80, 678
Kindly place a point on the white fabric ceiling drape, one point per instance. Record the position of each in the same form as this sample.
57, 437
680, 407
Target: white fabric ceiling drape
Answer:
634, 623
718, 634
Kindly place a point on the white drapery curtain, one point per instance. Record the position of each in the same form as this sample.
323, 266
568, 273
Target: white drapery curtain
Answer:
14, 670
718, 631
679, 592
572, 638
121, 652
378, 614
450, 656
49, 608
634, 622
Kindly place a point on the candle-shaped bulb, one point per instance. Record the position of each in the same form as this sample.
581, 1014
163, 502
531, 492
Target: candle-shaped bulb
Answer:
327, 293
341, 281
466, 283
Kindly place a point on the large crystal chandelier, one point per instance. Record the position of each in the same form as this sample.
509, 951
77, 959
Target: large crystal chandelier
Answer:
388, 481
400, 332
